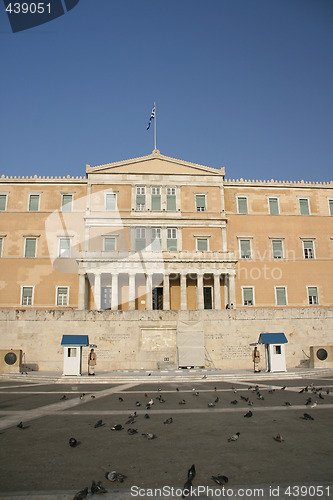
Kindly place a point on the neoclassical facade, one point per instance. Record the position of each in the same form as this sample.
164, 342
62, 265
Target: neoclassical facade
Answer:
159, 234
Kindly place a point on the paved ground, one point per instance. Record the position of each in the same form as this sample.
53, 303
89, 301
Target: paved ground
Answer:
38, 458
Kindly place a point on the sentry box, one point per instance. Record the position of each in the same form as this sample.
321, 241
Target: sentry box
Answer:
274, 350
73, 353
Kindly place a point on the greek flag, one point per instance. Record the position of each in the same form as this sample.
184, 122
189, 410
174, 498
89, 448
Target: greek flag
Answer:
152, 117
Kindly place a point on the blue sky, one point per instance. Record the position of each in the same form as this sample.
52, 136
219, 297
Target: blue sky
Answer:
245, 84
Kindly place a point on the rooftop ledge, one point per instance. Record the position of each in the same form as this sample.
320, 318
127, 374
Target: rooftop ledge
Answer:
149, 256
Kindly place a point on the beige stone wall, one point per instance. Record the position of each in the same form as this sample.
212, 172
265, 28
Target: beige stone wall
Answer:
143, 339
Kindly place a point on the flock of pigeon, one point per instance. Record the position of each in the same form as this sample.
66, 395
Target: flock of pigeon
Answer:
113, 476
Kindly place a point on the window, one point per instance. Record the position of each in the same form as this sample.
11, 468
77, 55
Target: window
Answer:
313, 295
27, 293
66, 203
202, 244
3, 202
200, 202
308, 249
62, 296
248, 296
156, 198
109, 244
1, 246
245, 249
110, 201
277, 249
304, 206
281, 296
156, 242
171, 198
140, 198
33, 203
64, 247
30, 247
273, 206
242, 205
171, 238
140, 238
331, 206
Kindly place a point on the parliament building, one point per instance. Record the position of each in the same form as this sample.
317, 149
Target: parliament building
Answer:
164, 264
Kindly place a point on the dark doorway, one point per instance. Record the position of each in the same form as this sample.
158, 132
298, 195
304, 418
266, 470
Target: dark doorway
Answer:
208, 304
158, 298
106, 297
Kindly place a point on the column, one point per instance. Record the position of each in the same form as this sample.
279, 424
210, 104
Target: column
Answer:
82, 292
166, 293
149, 290
232, 292
131, 292
97, 291
114, 291
183, 292
225, 290
200, 301
224, 239
217, 292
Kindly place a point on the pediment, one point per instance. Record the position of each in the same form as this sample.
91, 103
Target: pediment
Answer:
154, 164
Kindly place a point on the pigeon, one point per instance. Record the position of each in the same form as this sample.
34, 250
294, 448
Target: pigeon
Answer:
159, 389
93, 396
308, 401
211, 405
81, 495
314, 404
177, 389
147, 407
187, 489
217, 400
306, 416
271, 391
234, 402
97, 488
321, 396
115, 476
149, 374
120, 399
221, 480
278, 438
196, 393
99, 424
130, 421
162, 400
149, 435
20, 425
182, 402
72, 442
327, 391
168, 421
244, 399
191, 473
250, 403
138, 403
205, 376
287, 403
131, 431
248, 414
260, 396
63, 398
117, 427
82, 396
234, 437
146, 415
283, 388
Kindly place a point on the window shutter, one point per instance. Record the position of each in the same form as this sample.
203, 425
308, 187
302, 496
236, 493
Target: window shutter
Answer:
33, 203
308, 245
171, 202
273, 206
67, 202
156, 202
245, 248
331, 207
313, 291
201, 202
110, 202
281, 296
202, 245
0, 247
248, 294
109, 244
30, 247
242, 205
277, 249
304, 206
2, 202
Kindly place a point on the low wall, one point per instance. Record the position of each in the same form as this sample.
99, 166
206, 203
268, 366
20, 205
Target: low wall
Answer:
147, 339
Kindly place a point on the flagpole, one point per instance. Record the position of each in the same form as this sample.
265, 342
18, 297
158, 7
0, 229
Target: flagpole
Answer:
155, 127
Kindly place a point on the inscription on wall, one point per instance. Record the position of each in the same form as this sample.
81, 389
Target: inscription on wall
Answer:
235, 351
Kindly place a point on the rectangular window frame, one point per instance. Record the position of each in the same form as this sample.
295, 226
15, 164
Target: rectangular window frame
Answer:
285, 295
308, 253
241, 256
30, 197
172, 243
62, 251
110, 207
243, 297
242, 197
202, 239
269, 205
140, 238
30, 238
307, 199
105, 239
309, 296
330, 206
277, 257
5, 197
171, 199
70, 205
2, 243
156, 199
32, 296
201, 207
58, 295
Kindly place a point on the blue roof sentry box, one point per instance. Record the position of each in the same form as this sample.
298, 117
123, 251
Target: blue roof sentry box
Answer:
77, 340
272, 338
